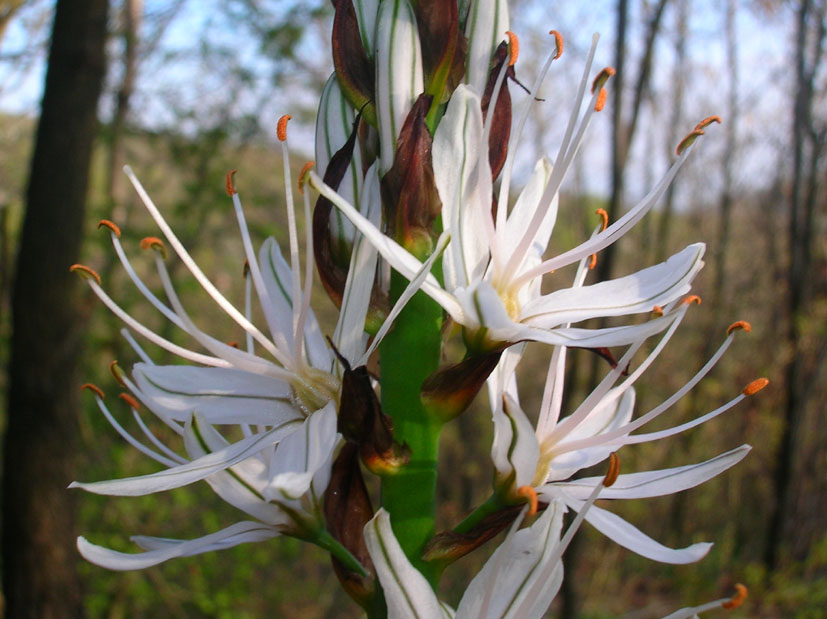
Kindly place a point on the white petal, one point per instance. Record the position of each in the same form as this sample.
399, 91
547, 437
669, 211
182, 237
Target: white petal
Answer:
485, 27
463, 180
191, 471
407, 592
515, 447
662, 482
164, 549
513, 573
223, 396
637, 293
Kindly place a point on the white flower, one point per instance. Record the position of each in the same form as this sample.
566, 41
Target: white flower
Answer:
493, 266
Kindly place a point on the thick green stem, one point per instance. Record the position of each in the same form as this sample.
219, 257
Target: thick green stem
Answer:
409, 354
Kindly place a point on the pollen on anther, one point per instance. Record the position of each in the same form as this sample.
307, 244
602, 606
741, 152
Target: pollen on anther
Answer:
530, 495
230, 186
117, 372
614, 470
233, 344
601, 100
108, 224
708, 121
85, 271
281, 127
513, 48
657, 311
692, 298
688, 140
94, 389
129, 400
602, 78
736, 600
153, 242
592, 262
755, 386
604, 216
558, 41
741, 324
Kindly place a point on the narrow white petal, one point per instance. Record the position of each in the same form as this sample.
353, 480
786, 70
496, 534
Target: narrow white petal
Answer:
515, 447
407, 592
485, 27
165, 549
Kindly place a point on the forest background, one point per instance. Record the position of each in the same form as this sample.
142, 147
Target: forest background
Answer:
190, 90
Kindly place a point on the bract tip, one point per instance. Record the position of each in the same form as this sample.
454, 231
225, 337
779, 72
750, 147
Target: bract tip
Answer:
108, 224
86, 272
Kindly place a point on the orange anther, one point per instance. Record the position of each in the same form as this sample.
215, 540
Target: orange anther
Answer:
601, 100
688, 140
108, 224
737, 599
741, 324
657, 310
558, 41
153, 242
303, 174
233, 344
129, 400
614, 470
117, 372
93, 388
692, 298
708, 121
755, 386
85, 271
592, 262
604, 216
230, 183
513, 48
530, 496
281, 127
602, 78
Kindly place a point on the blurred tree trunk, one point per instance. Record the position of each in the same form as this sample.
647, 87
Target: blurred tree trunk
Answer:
661, 243
39, 556
807, 144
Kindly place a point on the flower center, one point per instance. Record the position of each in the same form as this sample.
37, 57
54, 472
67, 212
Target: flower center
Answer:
313, 389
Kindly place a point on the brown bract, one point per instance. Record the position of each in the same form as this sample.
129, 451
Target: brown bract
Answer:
443, 46
449, 391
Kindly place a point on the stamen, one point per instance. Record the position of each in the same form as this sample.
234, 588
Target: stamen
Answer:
708, 121
230, 183
601, 100
108, 224
513, 48
592, 261
281, 127
129, 400
688, 140
530, 495
755, 386
604, 216
692, 298
737, 599
614, 470
602, 78
741, 324
303, 175
558, 41
93, 388
153, 242
657, 311
117, 372
85, 272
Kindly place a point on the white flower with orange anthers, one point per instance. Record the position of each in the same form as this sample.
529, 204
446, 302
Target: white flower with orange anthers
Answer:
281, 392
493, 264
538, 461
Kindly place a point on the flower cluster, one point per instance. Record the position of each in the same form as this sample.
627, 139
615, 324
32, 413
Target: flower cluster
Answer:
413, 231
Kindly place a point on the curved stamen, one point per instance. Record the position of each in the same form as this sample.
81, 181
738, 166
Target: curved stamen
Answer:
155, 440
136, 347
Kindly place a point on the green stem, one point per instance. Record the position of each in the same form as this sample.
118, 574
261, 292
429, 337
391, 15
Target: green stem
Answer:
409, 354
326, 541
